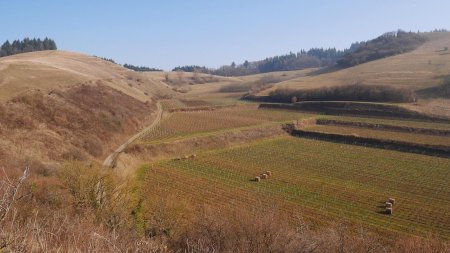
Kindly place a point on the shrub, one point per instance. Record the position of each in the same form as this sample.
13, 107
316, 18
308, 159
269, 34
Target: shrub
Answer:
356, 92
99, 189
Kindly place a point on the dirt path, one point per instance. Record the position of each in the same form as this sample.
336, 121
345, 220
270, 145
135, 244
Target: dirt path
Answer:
111, 159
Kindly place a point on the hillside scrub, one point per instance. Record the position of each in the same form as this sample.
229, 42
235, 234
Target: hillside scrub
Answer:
441, 91
79, 123
354, 92
388, 44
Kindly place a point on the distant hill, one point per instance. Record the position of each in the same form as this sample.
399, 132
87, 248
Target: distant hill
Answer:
388, 44
425, 67
313, 58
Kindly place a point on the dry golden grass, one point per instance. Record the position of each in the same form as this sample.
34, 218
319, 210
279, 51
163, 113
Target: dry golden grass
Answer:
57, 70
212, 93
417, 69
78, 123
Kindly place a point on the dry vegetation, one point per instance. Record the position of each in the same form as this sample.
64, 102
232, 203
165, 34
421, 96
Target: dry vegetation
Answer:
82, 122
355, 92
58, 70
418, 69
62, 112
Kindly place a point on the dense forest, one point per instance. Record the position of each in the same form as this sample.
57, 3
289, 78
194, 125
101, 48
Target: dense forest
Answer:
388, 44
140, 68
26, 45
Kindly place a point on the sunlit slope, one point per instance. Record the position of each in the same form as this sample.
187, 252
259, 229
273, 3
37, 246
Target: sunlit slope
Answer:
421, 68
54, 70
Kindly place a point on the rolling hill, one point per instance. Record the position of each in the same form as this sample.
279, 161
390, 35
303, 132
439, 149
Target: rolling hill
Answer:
422, 68
53, 70
196, 147
58, 105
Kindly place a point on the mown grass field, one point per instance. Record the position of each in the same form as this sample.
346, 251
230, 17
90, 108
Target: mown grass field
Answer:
322, 181
382, 134
183, 124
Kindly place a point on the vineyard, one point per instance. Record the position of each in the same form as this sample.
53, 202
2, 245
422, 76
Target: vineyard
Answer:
381, 134
321, 181
405, 123
183, 124
168, 104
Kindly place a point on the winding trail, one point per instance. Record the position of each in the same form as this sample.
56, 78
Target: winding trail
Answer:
111, 159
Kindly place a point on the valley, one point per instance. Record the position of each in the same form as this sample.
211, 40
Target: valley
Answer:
153, 155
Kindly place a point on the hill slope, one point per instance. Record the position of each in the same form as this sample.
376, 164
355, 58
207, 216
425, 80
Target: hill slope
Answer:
422, 68
53, 70
60, 105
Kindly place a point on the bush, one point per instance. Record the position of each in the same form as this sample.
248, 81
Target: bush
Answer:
441, 91
356, 92
98, 189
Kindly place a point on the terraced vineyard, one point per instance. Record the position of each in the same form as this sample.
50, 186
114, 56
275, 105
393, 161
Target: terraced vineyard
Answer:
182, 124
405, 123
320, 180
172, 104
382, 134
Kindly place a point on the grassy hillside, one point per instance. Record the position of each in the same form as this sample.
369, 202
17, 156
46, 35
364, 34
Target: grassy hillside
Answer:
422, 68
60, 105
57, 70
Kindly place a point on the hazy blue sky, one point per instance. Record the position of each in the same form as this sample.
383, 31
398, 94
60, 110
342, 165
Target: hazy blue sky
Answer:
168, 33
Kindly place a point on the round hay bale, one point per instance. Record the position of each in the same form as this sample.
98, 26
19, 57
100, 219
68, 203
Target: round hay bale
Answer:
193, 156
389, 210
264, 176
391, 200
257, 179
388, 205
185, 157
269, 173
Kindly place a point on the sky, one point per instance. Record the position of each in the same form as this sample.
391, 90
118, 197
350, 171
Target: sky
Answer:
169, 33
